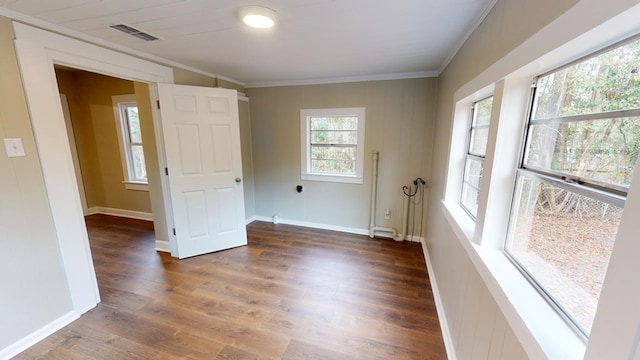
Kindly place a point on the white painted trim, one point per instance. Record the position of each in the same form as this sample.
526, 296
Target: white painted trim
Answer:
541, 331
38, 335
163, 246
131, 214
74, 151
305, 144
348, 230
136, 186
474, 25
315, 225
162, 165
588, 26
346, 79
442, 317
222, 77
26, 19
37, 52
412, 238
118, 101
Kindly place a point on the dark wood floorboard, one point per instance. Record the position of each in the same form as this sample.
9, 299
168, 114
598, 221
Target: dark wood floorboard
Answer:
292, 293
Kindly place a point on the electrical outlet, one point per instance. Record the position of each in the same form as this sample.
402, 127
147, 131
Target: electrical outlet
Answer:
387, 214
14, 147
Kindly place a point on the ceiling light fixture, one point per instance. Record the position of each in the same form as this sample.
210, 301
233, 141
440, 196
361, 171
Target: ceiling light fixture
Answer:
258, 16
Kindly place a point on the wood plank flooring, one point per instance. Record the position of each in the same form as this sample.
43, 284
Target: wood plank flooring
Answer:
292, 293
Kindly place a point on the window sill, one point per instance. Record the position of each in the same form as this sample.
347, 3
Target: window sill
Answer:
333, 178
539, 328
136, 185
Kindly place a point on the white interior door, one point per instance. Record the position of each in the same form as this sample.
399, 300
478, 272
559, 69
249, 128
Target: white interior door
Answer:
202, 142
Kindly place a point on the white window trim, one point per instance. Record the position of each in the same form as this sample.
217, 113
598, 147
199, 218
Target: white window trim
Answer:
468, 155
305, 163
533, 320
540, 329
129, 184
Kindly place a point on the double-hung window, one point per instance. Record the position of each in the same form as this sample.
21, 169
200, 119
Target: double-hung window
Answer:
476, 151
581, 146
332, 144
130, 139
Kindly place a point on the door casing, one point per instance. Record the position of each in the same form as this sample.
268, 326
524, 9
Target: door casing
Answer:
38, 51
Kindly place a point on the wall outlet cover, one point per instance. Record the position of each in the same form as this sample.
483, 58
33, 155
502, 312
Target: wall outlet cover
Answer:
14, 147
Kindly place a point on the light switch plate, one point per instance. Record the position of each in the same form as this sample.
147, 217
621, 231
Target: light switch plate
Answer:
14, 147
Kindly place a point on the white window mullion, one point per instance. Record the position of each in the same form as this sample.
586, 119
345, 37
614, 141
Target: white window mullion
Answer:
131, 150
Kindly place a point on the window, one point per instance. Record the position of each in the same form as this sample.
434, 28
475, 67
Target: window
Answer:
332, 144
581, 146
130, 139
476, 151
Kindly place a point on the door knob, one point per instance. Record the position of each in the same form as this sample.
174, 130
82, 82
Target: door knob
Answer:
238, 180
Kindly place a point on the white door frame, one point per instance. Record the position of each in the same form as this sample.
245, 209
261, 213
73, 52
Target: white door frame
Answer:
74, 153
37, 52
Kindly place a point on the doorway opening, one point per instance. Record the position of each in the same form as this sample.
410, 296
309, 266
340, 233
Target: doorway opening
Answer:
38, 51
109, 163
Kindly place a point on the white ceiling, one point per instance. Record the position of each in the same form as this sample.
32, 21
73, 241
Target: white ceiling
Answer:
314, 41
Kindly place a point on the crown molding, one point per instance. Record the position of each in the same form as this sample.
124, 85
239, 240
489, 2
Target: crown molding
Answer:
346, 79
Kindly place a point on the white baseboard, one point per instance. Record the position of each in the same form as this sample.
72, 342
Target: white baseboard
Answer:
38, 335
120, 212
442, 318
163, 245
348, 230
413, 238
250, 220
314, 225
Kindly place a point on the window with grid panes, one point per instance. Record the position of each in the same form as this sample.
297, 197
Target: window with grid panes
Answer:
476, 151
332, 144
130, 138
581, 146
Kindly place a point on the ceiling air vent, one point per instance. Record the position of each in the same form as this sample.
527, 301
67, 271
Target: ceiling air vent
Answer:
134, 32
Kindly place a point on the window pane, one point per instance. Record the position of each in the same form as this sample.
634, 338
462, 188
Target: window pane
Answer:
134, 124
333, 153
137, 154
566, 258
478, 145
482, 112
334, 123
609, 81
604, 150
473, 172
470, 199
334, 137
342, 167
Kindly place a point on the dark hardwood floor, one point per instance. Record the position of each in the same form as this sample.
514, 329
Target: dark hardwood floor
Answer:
292, 293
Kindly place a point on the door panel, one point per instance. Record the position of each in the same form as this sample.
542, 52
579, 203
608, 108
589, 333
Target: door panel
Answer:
202, 141
221, 139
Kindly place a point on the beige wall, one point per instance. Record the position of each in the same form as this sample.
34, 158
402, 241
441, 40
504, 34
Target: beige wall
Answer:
476, 323
35, 291
185, 77
34, 287
247, 159
95, 130
399, 125
229, 85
